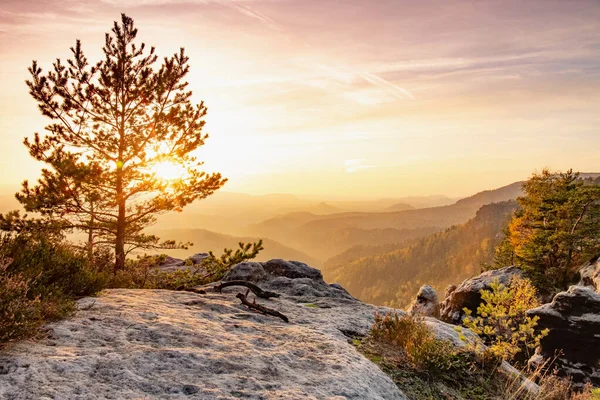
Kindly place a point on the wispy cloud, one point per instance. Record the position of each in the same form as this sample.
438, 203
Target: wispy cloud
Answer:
356, 164
352, 85
396, 90
252, 13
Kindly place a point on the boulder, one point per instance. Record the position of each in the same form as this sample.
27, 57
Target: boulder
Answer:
172, 261
449, 290
590, 274
291, 278
246, 271
573, 320
197, 258
292, 269
467, 294
426, 303
169, 264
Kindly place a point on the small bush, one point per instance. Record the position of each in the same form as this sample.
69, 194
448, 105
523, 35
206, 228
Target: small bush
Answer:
53, 266
415, 340
19, 315
502, 321
217, 267
40, 276
144, 273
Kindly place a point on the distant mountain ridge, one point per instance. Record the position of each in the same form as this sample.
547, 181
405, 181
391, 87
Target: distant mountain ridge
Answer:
321, 235
400, 207
205, 240
386, 275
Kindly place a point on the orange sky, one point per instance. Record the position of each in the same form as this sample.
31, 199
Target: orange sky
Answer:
350, 97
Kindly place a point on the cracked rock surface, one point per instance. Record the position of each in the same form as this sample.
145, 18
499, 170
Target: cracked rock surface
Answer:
147, 344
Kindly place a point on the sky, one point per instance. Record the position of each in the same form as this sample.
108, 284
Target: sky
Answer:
346, 98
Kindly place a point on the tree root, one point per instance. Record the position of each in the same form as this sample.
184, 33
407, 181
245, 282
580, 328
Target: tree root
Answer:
262, 309
263, 294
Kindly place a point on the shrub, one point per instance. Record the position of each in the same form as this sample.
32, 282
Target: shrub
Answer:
502, 321
216, 268
144, 273
53, 266
415, 340
19, 315
551, 386
40, 275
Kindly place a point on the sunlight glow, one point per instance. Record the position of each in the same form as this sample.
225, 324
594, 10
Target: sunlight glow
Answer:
168, 171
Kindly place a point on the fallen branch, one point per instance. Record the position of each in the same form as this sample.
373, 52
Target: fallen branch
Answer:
262, 309
263, 294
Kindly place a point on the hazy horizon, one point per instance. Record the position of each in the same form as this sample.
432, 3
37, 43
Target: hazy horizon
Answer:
347, 98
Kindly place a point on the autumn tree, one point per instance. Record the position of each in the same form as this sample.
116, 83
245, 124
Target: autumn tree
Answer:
555, 229
113, 123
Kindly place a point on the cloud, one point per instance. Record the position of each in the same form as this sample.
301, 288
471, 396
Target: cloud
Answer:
356, 164
392, 88
252, 13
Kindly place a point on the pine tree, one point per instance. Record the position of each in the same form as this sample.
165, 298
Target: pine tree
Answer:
112, 122
555, 229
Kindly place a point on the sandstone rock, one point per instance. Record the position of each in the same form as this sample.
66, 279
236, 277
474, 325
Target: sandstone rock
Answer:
426, 303
290, 278
168, 344
246, 271
573, 318
292, 269
172, 261
449, 290
459, 337
198, 258
199, 347
467, 294
170, 264
590, 274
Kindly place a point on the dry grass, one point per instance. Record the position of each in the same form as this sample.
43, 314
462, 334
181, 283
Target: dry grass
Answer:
551, 385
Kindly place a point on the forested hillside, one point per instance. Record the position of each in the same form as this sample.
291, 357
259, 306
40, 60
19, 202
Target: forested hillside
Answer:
324, 236
393, 276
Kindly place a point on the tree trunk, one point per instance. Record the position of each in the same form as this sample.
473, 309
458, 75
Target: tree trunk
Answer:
91, 234
120, 237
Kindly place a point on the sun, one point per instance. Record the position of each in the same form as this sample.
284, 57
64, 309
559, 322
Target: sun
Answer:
168, 171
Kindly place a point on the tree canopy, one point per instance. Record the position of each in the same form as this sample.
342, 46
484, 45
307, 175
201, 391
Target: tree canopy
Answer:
113, 124
555, 228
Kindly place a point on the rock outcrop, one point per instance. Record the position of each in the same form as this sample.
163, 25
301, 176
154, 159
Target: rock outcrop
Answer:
293, 278
426, 303
467, 294
573, 320
170, 264
590, 274
132, 344
197, 258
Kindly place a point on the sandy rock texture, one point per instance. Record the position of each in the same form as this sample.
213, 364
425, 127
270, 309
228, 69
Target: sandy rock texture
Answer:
590, 274
426, 303
467, 294
157, 344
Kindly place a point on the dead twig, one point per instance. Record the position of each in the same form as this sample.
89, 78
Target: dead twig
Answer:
262, 309
263, 294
